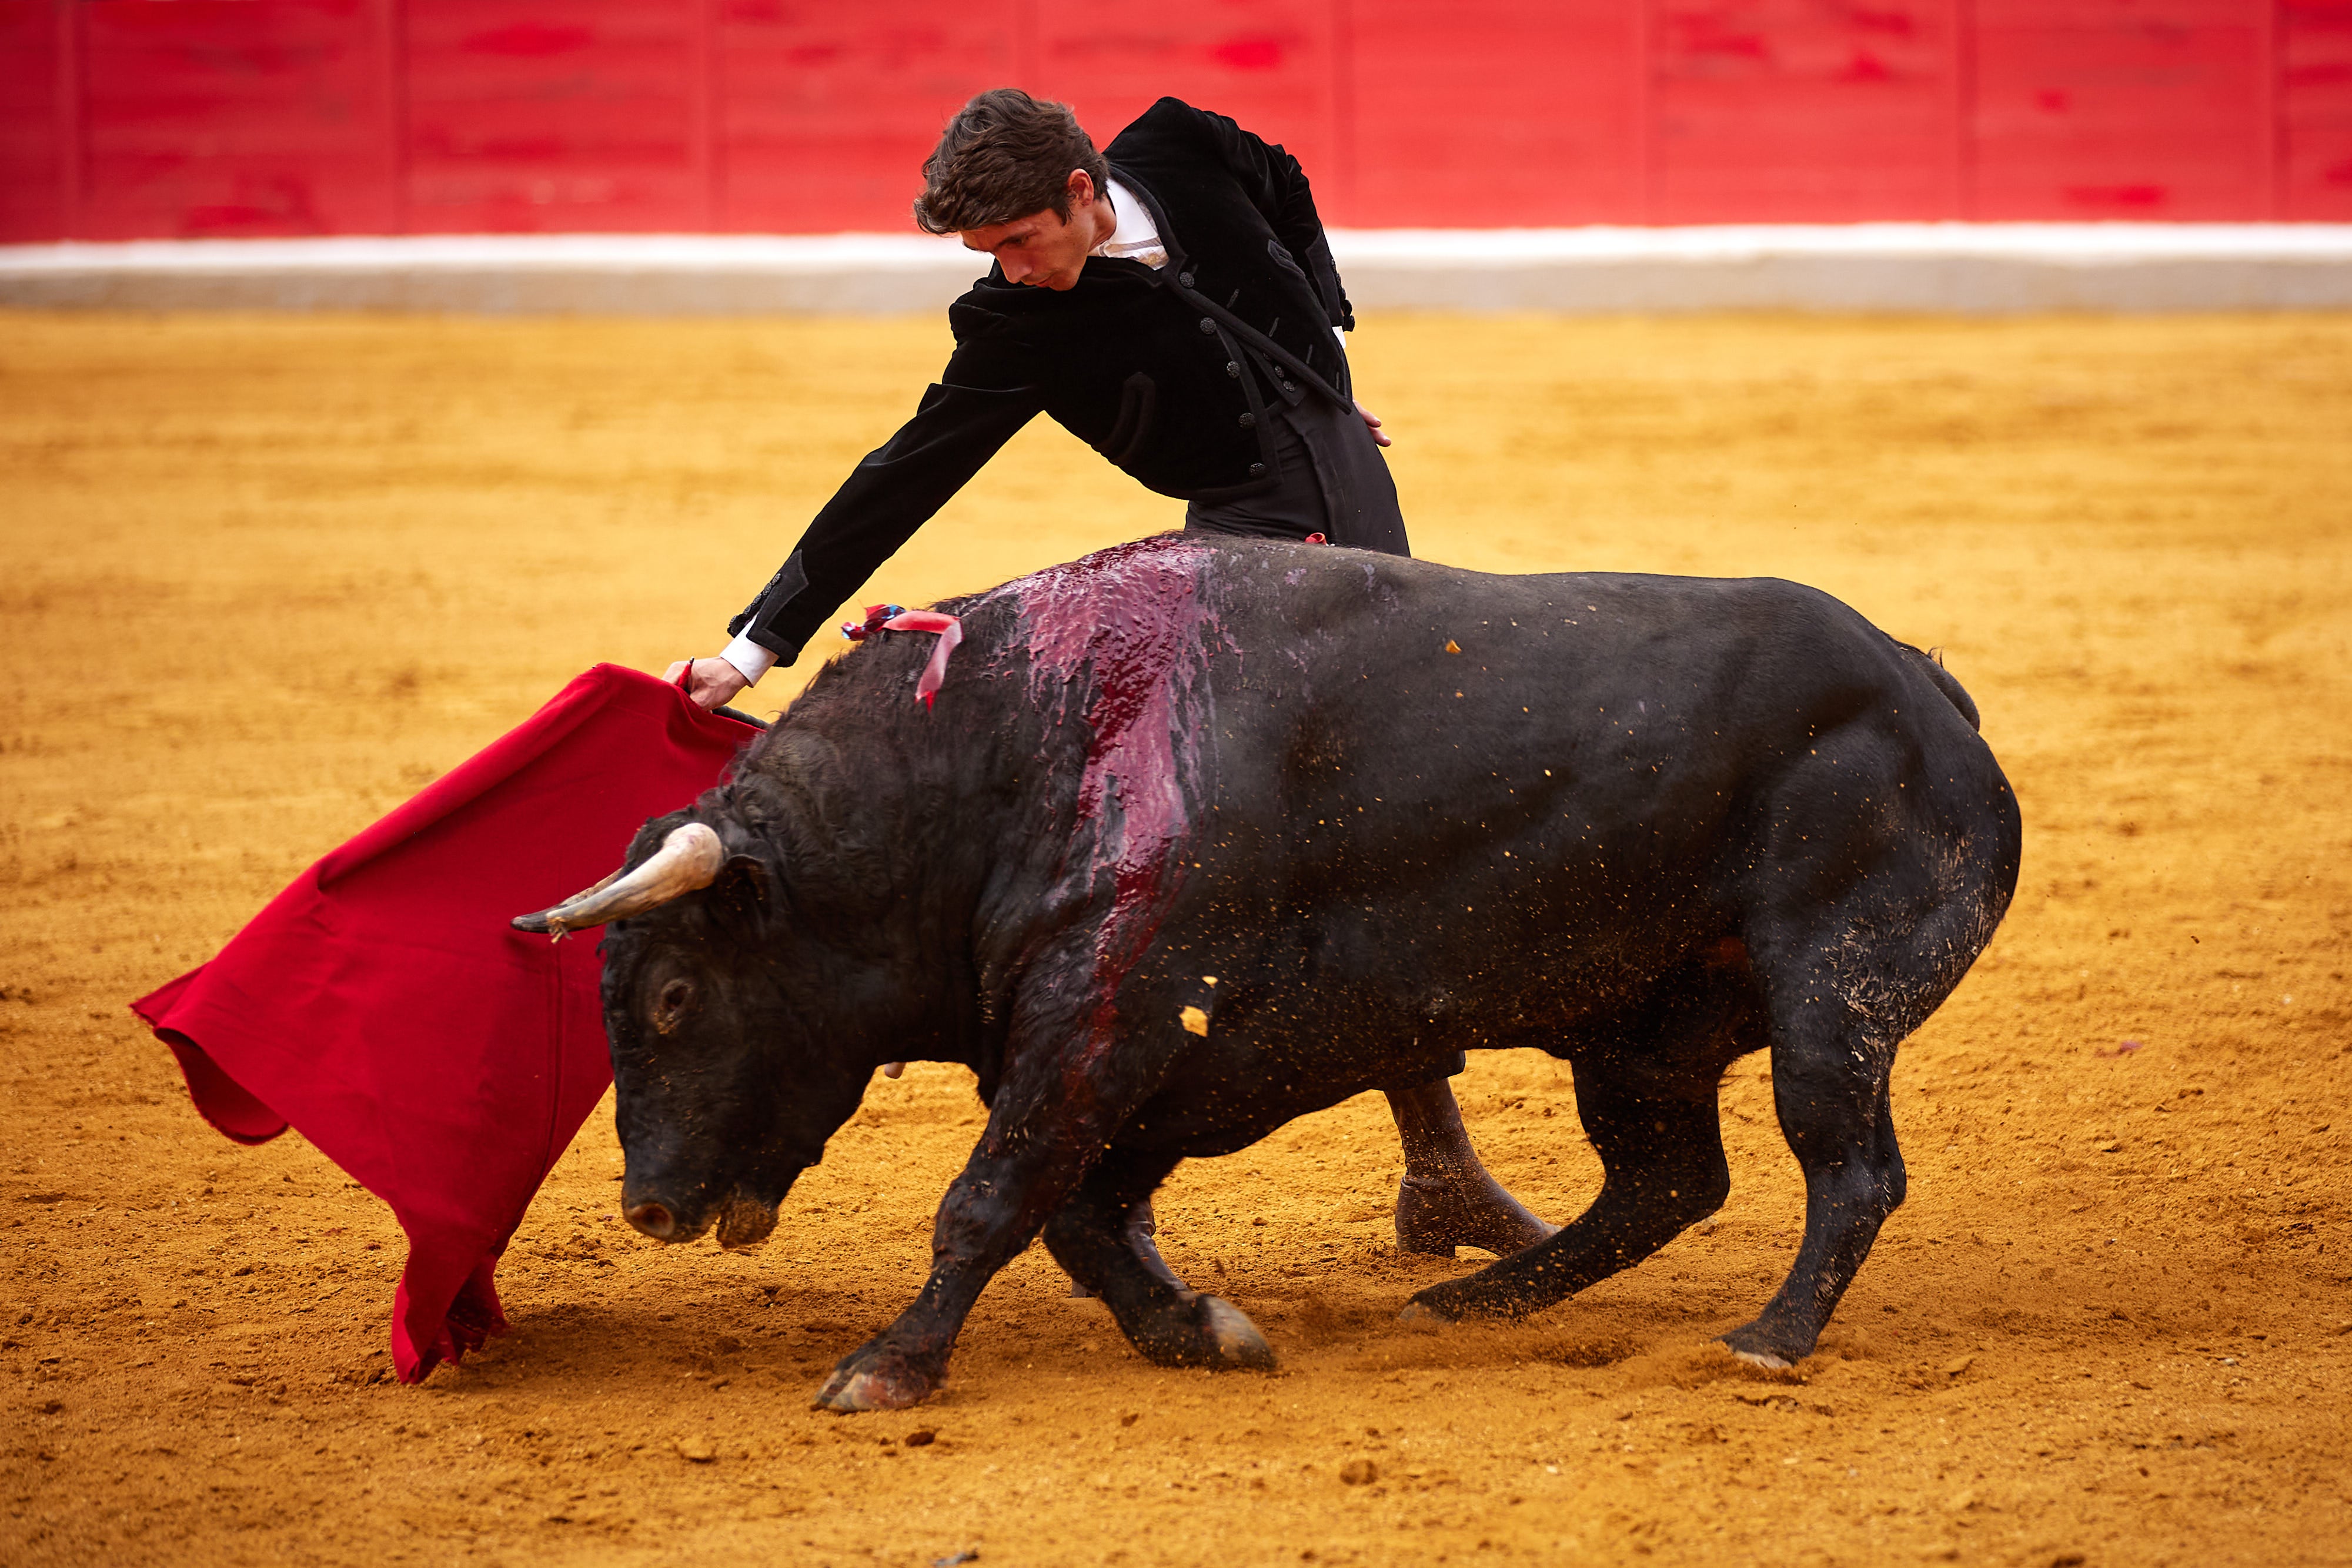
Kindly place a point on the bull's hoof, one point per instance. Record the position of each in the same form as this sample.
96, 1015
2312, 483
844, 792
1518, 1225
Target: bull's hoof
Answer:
1237, 1345
868, 1381
1447, 1303
1473, 1296
1215, 1334
1758, 1347
1436, 1214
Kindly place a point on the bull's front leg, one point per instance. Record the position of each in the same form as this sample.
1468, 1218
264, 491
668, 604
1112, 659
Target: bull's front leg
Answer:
992, 1212
1170, 1324
1048, 1126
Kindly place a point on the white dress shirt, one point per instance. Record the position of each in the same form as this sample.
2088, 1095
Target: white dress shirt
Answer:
1137, 237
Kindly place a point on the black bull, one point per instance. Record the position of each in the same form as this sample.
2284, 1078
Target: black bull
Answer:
1204, 836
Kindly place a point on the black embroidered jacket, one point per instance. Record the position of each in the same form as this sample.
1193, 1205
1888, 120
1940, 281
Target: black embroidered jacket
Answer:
1167, 373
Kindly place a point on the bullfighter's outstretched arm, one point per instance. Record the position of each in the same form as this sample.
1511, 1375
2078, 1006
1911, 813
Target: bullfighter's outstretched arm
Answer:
893, 491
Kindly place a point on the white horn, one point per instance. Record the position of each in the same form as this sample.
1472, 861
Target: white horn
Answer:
688, 859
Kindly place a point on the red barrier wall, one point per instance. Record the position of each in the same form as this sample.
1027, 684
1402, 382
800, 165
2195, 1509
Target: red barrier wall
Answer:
123, 119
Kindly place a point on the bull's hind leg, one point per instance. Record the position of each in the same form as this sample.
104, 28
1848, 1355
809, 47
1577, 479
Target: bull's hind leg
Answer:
1830, 1074
1095, 1240
1447, 1199
1867, 920
1659, 1141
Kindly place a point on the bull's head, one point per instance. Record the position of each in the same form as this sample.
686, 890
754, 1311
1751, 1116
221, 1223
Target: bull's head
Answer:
726, 1091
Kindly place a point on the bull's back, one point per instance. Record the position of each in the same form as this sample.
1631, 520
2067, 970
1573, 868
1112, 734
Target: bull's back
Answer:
1574, 769
1448, 688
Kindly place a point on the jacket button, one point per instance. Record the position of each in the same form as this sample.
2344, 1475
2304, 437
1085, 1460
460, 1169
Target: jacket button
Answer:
1232, 368
1207, 325
1186, 279
1249, 421
1258, 470
1289, 391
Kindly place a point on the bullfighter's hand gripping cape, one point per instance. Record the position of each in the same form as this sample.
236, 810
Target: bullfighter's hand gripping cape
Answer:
382, 1006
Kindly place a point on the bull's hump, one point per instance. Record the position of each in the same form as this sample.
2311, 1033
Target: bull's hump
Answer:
1119, 640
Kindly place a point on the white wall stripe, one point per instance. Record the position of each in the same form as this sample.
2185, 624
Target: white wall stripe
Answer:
1955, 267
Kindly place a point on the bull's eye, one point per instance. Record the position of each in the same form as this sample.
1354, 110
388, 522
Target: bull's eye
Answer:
676, 997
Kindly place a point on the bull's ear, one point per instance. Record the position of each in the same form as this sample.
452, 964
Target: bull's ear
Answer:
740, 895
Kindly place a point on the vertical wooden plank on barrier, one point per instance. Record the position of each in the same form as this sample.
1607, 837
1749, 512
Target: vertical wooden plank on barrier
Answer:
72, 85
35, 120
2266, 106
1342, 132
1501, 113
1782, 111
1025, 46
1960, 91
1265, 64
392, 110
1642, 69
2314, 115
2314, 94
826, 112
2096, 109
525, 117
228, 118
703, 100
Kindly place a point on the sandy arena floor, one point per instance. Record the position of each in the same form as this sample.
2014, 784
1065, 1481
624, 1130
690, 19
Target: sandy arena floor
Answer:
263, 578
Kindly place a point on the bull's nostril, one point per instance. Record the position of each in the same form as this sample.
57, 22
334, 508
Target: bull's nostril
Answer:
653, 1219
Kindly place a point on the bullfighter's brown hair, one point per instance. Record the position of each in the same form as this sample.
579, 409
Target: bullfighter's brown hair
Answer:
1003, 157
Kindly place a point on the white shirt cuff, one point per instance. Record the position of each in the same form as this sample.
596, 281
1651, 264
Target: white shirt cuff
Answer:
749, 659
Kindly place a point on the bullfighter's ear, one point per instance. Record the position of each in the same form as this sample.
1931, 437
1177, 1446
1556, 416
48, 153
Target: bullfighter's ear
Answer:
740, 894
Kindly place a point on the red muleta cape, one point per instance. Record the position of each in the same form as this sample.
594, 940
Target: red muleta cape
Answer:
384, 1006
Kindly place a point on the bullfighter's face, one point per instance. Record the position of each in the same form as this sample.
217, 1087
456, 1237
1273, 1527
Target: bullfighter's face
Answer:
1044, 250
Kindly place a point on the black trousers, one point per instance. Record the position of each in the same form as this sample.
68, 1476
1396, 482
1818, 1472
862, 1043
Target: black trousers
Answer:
1334, 482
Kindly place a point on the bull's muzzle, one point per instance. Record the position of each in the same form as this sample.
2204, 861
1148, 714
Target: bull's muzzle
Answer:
654, 1220
688, 859
742, 1220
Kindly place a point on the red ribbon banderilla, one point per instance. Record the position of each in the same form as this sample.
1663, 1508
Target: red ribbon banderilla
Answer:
890, 618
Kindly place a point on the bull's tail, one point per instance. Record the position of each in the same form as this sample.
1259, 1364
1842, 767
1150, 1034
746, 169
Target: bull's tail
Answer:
1946, 682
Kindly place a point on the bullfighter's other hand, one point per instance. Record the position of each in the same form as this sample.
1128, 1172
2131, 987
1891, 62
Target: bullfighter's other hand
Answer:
714, 681
1372, 423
